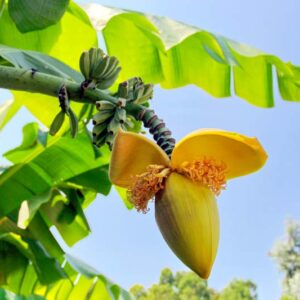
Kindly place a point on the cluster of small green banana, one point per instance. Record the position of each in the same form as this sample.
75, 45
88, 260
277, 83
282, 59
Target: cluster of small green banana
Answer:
135, 91
99, 69
110, 118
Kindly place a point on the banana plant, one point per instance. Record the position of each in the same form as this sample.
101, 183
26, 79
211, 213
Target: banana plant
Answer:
56, 173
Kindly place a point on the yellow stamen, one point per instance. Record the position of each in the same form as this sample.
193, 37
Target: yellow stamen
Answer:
146, 185
205, 171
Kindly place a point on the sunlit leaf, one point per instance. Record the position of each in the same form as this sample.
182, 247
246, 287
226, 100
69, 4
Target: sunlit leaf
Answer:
83, 281
58, 41
164, 51
47, 268
94, 179
31, 142
28, 209
124, 196
7, 110
63, 158
67, 218
2, 3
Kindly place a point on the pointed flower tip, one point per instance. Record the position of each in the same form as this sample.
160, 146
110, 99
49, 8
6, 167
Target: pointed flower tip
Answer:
187, 216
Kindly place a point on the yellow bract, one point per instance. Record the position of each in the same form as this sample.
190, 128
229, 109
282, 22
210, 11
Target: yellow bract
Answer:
242, 155
131, 155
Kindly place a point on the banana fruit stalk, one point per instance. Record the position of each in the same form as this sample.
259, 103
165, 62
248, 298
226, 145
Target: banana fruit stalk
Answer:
99, 70
187, 216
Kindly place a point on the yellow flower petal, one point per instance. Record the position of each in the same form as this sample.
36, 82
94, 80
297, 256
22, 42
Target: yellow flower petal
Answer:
131, 155
187, 216
241, 154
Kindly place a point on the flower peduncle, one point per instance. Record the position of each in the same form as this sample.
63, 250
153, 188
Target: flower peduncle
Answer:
161, 134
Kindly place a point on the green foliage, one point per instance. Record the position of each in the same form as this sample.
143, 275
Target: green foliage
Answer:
188, 286
7, 110
286, 254
36, 14
43, 63
7, 295
239, 290
78, 281
42, 167
2, 3
178, 54
58, 41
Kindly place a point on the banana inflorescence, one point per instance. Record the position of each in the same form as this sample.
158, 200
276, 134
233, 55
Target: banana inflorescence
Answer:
99, 69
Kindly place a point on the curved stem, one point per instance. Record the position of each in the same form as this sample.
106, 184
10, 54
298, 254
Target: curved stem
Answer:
35, 82
161, 134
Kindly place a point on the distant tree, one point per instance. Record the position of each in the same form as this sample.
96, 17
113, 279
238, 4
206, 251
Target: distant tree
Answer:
239, 290
286, 253
188, 286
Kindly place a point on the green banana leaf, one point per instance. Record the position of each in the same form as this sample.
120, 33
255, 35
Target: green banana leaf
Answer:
161, 50
2, 3
7, 110
19, 275
7, 295
39, 168
40, 62
50, 175
36, 14
58, 41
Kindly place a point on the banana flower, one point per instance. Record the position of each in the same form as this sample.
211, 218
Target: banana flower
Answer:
185, 186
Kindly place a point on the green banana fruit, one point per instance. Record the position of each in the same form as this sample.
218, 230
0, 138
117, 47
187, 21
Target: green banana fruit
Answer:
101, 105
109, 140
73, 123
102, 116
98, 69
99, 140
109, 81
113, 63
84, 64
99, 129
57, 123
101, 66
114, 125
121, 115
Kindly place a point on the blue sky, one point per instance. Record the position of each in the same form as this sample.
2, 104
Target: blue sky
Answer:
127, 246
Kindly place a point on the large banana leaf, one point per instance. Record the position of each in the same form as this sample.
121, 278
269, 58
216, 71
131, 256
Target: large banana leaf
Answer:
164, 51
62, 203
41, 167
58, 41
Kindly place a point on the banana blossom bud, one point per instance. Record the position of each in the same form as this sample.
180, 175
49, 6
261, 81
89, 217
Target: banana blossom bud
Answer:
185, 186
